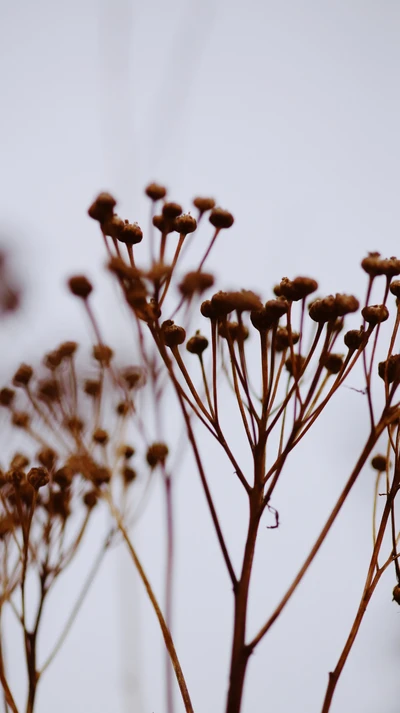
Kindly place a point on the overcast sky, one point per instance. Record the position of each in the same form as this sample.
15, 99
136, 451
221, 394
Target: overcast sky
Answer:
288, 113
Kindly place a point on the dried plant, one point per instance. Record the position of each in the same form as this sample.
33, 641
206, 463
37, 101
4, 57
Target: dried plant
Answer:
278, 363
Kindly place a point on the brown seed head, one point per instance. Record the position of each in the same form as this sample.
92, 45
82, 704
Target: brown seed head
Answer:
297, 289
396, 594
155, 191
170, 211
19, 462
131, 234
52, 360
208, 310
74, 424
90, 499
23, 375
374, 265
203, 204
172, 335
233, 330
38, 477
332, 362
113, 227
379, 463
103, 354
92, 387
103, 207
294, 365
122, 408
127, 452
101, 475
162, 224
6, 396
129, 475
47, 457
282, 339
157, 454
389, 370
395, 288
49, 390
221, 219
375, 314
196, 282
80, 286
354, 338
20, 419
185, 224
100, 436
15, 476
197, 344
67, 349
134, 377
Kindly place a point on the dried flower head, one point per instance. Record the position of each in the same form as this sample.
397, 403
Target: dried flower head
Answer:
157, 454
155, 191
80, 286
221, 219
102, 207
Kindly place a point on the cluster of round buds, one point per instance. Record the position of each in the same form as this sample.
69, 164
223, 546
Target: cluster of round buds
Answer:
297, 289
269, 315
123, 231
172, 335
328, 309
157, 454
375, 266
166, 221
222, 303
234, 331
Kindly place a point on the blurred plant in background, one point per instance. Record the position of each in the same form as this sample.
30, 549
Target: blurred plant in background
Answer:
276, 363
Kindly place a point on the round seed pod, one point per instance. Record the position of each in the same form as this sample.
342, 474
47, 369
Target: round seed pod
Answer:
391, 267
100, 436
170, 211
74, 424
282, 339
52, 360
221, 219
223, 303
196, 282
38, 477
162, 224
375, 314
395, 288
372, 264
185, 224
122, 408
90, 499
127, 452
389, 370
80, 286
197, 344
113, 227
134, 377
67, 349
203, 204
102, 207
15, 476
155, 192
208, 310
23, 375
379, 462
131, 234
157, 454
297, 289
323, 310
128, 475
261, 320
101, 475
294, 364
49, 390
103, 354
235, 331
6, 396
47, 457
19, 462
396, 594
354, 338
20, 419
332, 362
92, 387
172, 335
346, 304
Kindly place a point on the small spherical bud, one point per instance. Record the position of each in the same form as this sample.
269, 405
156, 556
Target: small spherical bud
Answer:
131, 234
47, 457
6, 396
123, 408
389, 370
203, 204
294, 365
23, 375
129, 475
100, 436
19, 462
379, 463
90, 499
171, 211
15, 476
67, 349
74, 424
49, 390
208, 310
395, 288
20, 419
233, 330
172, 335
113, 227
155, 191
196, 282
332, 362
323, 310
375, 314
221, 219
283, 339
372, 264
80, 286
185, 224
162, 224
197, 344
396, 594
103, 354
354, 338
101, 475
52, 360
269, 315
92, 387
38, 477
297, 289
127, 452
103, 207
134, 377
157, 454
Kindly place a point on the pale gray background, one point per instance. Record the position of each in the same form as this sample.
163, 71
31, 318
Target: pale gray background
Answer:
288, 112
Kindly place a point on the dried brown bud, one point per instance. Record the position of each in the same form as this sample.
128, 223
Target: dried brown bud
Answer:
90, 499
171, 211
379, 463
119, 267
155, 191
122, 408
23, 375
127, 452
396, 594
157, 454
80, 286
375, 314
129, 475
197, 344
233, 330
6, 396
101, 475
374, 265
297, 289
269, 315
196, 282
58, 504
47, 457
162, 224
330, 308
294, 365
134, 377
100, 436
172, 335
332, 362
354, 338
20, 419
52, 360
38, 477
67, 349
220, 218
114, 227
131, 234
203, 204
103, 354
185, 224
49, 390
92, 387
19, 462
208, 310
103, 207
15, 476
389, 370
74, 424
283, 339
